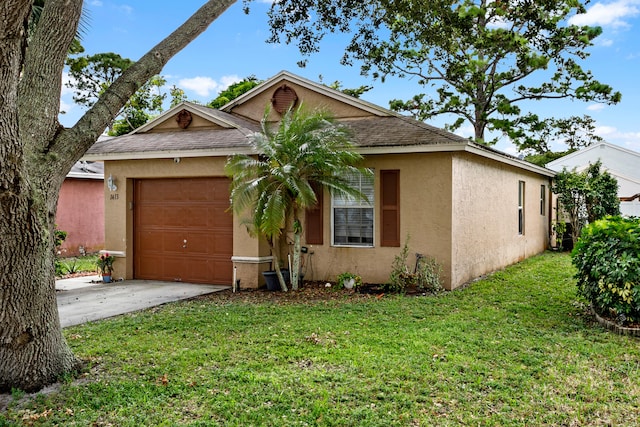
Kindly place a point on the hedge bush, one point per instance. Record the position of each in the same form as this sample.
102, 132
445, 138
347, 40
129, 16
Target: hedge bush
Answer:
607, 257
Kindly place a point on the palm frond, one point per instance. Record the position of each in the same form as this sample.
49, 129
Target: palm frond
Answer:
305, 147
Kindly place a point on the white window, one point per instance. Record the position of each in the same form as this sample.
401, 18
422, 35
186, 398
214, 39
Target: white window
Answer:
352, 218
543, 199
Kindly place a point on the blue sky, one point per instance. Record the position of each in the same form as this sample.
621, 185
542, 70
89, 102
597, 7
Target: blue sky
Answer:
234, 47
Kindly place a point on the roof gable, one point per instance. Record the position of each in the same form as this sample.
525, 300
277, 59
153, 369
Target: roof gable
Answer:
614, 158
283, 88
187, 116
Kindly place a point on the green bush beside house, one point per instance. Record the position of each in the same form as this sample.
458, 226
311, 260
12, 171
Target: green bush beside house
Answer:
607, 257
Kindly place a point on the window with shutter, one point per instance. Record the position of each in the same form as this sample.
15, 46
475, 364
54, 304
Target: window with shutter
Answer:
390, 207
352, 218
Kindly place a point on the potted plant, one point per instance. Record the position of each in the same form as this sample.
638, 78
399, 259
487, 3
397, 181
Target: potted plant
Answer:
349, 280
105, 266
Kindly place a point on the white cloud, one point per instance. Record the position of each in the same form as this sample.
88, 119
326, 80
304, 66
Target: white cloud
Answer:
627, 139
595, 107
126, 9
226, 81
606, 131
97, 3
206, 86
465, 131
510, 148
612, 14
604, 42
65, 106
203, 86
66, 79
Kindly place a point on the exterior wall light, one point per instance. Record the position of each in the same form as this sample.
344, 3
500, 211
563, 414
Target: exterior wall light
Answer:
111, 183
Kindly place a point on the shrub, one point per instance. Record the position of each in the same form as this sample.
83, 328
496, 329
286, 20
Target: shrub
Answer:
425, 276
607, 257
401, 277
428, 272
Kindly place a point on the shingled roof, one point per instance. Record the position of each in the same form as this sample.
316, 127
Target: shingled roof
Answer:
378, 131
387, 131
392, 131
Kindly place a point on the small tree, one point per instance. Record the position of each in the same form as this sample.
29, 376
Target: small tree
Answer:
587, 196
305, 148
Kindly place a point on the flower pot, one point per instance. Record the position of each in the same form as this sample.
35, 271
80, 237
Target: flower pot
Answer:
106, 278
271, 278
349, 283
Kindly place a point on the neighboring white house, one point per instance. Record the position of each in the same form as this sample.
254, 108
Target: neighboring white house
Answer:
621, 163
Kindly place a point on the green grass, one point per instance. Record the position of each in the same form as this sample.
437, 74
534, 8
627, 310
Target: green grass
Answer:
81, 264
515, 349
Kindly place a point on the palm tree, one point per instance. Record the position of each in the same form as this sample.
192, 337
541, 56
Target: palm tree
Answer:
305, 148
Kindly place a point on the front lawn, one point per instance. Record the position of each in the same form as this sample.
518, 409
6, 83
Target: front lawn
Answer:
515, 349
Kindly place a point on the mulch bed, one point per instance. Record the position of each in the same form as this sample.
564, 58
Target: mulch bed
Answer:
309, 293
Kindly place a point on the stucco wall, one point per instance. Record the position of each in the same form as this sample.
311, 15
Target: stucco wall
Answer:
425, 217
457, 207
81, 214
485, 216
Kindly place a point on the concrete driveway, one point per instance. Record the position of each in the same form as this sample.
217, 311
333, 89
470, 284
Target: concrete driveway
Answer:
84, 299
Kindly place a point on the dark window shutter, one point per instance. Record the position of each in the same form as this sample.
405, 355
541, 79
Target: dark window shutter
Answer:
314, 219
390, 207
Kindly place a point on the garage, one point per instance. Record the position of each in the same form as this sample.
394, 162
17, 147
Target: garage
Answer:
183, 231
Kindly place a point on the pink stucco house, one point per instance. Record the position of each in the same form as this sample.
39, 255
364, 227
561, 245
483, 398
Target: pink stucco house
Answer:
81, 209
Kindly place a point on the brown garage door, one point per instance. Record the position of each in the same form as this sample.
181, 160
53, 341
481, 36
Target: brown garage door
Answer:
182, 230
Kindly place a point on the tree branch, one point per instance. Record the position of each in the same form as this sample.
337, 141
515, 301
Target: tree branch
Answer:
41, 82
74, 142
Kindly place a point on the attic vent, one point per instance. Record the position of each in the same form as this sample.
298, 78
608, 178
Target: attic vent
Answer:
184, 119
284, 98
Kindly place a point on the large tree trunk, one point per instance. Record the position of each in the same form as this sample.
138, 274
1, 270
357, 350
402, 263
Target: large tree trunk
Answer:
35, 156
32, 349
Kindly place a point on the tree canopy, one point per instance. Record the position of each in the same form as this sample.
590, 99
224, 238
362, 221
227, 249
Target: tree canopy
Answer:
234, 90
91, 75
480, 58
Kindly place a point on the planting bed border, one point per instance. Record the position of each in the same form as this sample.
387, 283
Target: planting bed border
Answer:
612, 326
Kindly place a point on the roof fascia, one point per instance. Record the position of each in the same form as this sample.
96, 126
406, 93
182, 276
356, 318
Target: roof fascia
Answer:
407, 149
461, 147
571, 156
172, 154
80, 175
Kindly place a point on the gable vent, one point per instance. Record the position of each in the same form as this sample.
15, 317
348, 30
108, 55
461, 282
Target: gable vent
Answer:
184, 119
284, 98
